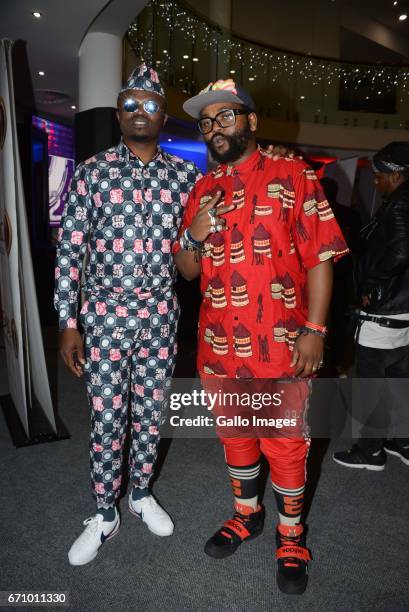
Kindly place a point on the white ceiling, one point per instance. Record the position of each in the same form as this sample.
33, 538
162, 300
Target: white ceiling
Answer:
52, 42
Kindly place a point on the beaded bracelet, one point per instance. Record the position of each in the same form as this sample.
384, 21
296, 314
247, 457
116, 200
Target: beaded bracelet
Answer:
195, 243
308, 330
185, 245
321, 328
188, 243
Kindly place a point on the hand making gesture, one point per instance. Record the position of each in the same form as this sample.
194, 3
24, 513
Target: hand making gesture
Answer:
208, 220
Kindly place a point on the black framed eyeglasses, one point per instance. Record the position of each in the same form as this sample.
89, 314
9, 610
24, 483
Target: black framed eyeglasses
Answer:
130, 105
224, 119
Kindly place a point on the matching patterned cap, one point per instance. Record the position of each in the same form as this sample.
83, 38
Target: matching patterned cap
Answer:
145, 78
220, 91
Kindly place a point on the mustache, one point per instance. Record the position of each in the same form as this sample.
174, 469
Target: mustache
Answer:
218, 136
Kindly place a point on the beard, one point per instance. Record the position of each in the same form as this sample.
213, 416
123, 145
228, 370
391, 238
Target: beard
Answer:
238, 144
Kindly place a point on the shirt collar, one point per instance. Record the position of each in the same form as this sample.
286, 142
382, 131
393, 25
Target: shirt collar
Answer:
245, 166
126, 154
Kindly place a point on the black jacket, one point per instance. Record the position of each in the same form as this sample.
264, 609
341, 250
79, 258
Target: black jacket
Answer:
382, 270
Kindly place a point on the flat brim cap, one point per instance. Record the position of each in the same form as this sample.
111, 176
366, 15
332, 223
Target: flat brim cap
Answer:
214, 94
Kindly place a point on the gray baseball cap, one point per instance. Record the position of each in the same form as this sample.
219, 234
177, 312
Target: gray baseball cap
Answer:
220, 91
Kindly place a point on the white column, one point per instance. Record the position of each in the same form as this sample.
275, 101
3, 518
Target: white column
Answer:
100, 70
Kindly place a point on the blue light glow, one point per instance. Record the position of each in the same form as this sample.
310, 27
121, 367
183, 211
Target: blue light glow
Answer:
189, 150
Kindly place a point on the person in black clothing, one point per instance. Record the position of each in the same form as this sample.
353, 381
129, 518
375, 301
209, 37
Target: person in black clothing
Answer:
340, 337
382, 279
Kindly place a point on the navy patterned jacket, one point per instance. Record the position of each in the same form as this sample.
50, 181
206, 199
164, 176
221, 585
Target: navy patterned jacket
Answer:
125, 215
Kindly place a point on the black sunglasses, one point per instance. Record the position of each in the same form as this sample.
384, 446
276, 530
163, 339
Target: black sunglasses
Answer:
149, 106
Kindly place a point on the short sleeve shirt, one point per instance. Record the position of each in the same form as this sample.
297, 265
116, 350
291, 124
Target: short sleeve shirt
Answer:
254, 275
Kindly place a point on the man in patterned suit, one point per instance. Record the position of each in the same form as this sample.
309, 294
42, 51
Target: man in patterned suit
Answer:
124, 209
261, 235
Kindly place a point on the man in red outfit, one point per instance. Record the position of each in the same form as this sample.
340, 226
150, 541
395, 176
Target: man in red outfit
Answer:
262, 236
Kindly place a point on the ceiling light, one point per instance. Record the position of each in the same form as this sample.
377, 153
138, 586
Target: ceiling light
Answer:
41, 73
165, 51
232, 72
395, 3
169, 140
195, 59
403, 17
251, 78
302, 97
36, 14
73, 107
185, 57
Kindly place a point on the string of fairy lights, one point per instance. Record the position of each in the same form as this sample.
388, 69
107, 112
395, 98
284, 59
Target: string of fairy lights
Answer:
253, 61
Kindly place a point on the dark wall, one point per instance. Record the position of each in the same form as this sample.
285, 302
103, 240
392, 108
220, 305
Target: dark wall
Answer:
96, 129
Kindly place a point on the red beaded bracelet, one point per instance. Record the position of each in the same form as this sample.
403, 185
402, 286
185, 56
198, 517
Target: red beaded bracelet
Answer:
321, 328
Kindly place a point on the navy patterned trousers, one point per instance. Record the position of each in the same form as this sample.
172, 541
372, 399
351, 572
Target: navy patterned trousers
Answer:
130, 350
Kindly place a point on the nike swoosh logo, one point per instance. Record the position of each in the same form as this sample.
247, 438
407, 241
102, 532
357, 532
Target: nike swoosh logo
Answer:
105, 537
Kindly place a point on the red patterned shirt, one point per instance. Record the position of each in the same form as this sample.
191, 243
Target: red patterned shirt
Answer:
254, 275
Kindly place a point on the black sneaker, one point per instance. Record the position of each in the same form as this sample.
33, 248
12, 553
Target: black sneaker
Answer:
393, 448
355, 457
234, 532
292, 559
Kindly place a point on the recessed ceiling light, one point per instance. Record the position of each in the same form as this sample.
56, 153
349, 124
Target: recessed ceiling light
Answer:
165, 51
41, 73
302, 97
195, 59
395, 3
185, 57
403, 17
251, 78
36, 14
232, 72
73, 106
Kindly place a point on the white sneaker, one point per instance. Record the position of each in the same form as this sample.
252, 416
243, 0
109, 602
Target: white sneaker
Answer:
152, 514
86, 546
